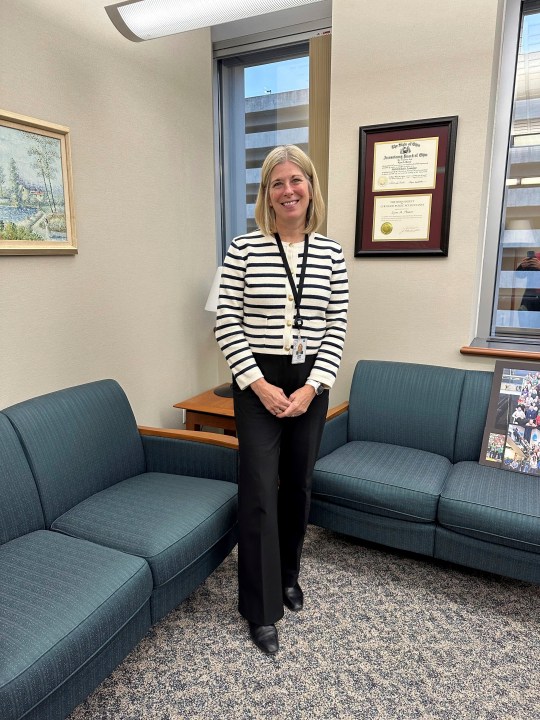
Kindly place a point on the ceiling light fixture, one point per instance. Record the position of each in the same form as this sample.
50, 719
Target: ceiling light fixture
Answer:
146, 19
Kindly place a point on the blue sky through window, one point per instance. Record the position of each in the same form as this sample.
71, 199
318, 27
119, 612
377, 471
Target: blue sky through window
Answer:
276, 77
530, 37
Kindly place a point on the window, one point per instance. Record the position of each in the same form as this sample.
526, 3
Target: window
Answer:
263, 97
514, 316
517, 306
264, 101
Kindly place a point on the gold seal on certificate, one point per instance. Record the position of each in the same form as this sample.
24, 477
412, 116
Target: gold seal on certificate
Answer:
382, 180
399, 218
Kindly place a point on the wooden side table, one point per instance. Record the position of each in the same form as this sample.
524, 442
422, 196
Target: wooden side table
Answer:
211, 410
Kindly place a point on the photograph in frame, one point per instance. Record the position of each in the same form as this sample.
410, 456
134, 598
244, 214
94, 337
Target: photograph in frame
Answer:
36, 198
511, 438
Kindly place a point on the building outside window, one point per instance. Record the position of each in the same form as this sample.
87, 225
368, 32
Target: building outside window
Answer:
264, 102
516, 308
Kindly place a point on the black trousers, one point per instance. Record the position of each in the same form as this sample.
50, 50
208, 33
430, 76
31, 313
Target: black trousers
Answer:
274, 488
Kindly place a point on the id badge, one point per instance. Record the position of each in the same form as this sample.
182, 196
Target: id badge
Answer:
298, 351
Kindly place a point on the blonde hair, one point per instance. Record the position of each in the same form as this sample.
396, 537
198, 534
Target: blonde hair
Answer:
265, 216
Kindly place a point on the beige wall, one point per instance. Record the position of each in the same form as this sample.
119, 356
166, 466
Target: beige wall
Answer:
398, 61
130, 305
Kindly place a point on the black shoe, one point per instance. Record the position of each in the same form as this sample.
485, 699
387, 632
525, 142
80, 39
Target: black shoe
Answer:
265, 637
293, 597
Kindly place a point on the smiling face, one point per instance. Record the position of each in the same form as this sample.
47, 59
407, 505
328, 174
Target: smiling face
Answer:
289, 194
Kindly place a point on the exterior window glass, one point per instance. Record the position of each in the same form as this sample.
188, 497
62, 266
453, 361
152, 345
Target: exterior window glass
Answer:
517, 298
264, 99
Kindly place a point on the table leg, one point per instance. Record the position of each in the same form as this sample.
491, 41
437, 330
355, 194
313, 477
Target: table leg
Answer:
190, 424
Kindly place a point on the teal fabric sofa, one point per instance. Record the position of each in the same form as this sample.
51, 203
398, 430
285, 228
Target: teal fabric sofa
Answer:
104, 528
399, 466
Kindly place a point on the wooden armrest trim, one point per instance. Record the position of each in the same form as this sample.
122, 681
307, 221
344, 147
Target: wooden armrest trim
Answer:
500, 353
337, 410
227, 441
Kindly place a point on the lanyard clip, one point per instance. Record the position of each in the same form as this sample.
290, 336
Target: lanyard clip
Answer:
298, 322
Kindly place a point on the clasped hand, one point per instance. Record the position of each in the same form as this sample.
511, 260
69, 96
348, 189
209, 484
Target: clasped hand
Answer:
276, 402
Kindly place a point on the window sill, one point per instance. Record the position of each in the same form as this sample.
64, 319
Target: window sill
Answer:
515, 349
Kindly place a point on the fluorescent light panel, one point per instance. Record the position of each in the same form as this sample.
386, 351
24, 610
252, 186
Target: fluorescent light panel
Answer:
146, 19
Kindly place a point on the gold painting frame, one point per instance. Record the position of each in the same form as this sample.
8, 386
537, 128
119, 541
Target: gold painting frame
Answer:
36, 187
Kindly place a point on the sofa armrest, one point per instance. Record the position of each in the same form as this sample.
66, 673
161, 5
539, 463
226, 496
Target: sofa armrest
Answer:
337, 410
186, 452
203, 437
335, 429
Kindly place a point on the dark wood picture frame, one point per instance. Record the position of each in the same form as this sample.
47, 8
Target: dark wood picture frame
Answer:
405, 176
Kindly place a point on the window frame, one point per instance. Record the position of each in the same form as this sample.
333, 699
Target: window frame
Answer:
496, 195
273, 43
233, 118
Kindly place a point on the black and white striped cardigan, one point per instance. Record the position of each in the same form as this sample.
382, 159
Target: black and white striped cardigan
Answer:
256, 307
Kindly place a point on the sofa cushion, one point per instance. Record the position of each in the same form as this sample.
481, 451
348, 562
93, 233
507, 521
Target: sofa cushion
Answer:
78, 441
490, 504
406, 404
20, 509
170, 520
61, 602
387, 480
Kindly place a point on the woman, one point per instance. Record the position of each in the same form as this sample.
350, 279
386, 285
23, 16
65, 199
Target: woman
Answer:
281, 325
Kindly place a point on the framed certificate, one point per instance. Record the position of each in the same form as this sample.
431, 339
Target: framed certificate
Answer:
405, 175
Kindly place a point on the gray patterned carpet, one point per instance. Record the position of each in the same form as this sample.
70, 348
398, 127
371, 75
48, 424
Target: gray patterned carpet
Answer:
383, 635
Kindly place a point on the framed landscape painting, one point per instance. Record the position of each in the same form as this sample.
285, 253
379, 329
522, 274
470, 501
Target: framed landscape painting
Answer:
36, 203
512, 434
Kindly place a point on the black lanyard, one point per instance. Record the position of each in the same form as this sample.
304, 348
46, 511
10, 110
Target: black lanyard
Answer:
297, 293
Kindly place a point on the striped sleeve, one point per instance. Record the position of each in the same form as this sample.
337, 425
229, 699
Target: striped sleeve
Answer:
229, 331
330, 351
256, 307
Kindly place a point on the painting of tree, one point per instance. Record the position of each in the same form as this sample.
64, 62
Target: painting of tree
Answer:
35, 187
